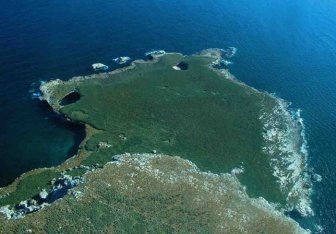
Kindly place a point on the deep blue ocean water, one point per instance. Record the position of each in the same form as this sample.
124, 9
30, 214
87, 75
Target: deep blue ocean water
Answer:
285, 47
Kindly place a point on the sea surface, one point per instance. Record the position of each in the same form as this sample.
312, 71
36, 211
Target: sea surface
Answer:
284, 47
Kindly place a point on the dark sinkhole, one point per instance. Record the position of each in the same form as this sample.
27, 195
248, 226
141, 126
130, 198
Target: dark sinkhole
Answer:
183, 65
70, 98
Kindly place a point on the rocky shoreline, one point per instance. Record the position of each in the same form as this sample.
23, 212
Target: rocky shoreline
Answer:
296, 188
60, 187
298, 195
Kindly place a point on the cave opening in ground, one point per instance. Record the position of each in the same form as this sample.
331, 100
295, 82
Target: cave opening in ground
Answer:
181, 66
70, 98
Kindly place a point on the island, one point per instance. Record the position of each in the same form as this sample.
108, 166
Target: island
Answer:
173, 143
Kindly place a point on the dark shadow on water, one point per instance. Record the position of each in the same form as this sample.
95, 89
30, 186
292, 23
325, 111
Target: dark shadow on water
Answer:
77, 132
61, 122
60, 188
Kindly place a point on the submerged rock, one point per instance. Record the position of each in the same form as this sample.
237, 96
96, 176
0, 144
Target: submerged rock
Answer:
44, 194
122, 60
99, 66
155, 53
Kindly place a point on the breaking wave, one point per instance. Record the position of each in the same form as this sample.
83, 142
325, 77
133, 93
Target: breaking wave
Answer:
286, 145
34, 91
284, 142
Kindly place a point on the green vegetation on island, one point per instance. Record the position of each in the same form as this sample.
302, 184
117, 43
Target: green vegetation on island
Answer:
147, 111
196, 114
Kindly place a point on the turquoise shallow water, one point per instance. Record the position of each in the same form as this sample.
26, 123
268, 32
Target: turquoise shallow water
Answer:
286, 47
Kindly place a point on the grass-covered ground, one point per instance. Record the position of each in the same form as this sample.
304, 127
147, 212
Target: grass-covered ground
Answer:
197, 114
155, 194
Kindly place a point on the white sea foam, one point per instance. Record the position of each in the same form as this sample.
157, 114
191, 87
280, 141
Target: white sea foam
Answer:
226, 62
229, 52
35, 95
221, 56
155, 53
121, 60
286, 144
